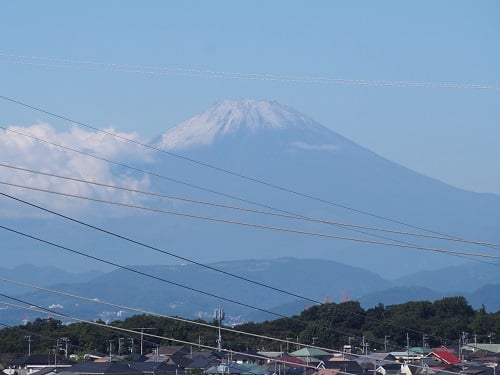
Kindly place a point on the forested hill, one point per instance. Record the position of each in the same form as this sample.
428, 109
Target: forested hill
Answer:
330, 324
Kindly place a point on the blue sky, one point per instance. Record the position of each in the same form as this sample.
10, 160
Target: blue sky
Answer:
448, 133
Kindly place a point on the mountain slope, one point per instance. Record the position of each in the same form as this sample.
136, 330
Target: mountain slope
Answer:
272, 143
316, 173
189, 290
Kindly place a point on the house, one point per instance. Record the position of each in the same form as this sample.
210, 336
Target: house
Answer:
122, 368
230, 368
101, 368
345, 366
311, 355
202, 360
390, 369
406, 356
33, 363
445, 356
246, 357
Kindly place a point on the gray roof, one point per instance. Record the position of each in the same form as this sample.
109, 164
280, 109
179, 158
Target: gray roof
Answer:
41, 360
310, 352
120, 368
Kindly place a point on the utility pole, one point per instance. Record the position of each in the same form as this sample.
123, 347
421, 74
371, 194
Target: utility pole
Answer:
156, 350
120, 345
407, 347
490, 336
142, 336
364, 344
110, 349
385, 342
66, 340
29, 344
463, 342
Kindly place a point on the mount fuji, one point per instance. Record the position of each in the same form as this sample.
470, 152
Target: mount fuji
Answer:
250, 166
292, 164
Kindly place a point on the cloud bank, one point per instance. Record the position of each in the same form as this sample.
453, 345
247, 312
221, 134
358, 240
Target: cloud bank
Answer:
23, 147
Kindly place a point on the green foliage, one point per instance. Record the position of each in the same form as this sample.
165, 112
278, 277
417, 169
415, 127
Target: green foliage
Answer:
327, 325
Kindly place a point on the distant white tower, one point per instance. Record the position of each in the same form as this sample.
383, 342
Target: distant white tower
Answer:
219, 316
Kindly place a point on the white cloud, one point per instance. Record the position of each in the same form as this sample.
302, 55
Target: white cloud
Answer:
315, 147
21, 151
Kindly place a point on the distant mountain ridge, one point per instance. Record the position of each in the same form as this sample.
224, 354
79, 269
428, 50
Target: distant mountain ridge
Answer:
314, 279
41, 276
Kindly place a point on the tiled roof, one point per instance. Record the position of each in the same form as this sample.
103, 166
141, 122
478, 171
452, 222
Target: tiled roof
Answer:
310, 352
98, 368
446, 356
41, 360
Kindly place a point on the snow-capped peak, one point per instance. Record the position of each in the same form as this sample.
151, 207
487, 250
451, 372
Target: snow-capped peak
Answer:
230, 116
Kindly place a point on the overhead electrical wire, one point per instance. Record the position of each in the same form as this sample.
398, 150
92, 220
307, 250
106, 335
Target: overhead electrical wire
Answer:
184, 183
145, 312
43, 336
223, 170
226, 351
254, 225
238, 208
213, 191
184, 342
161, 279
226, 221
214, 74
251, 179
197, 323
183, 258
34, 307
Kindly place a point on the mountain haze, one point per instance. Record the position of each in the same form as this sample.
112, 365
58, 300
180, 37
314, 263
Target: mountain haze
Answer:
263, 156
315, 280
272, 143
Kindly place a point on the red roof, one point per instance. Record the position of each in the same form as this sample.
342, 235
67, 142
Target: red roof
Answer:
290, 360
446, 356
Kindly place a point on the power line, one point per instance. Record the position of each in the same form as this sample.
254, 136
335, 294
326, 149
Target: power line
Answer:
32, 307
150, 173
183, 182
42, 336
141, 311
144, 274
210, 190
189, 260
189, 200
216, 168
110, 327
167, 316
223, 170
191, 288
214, 74
183, 258
254, 225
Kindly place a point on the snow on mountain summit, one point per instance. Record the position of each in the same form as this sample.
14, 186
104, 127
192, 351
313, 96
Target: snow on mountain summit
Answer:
247, 116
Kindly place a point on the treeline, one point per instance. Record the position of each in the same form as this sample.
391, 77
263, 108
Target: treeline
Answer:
329, 325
